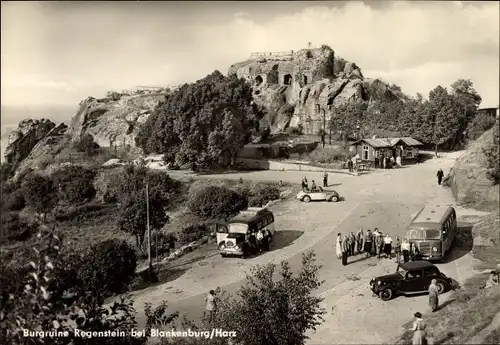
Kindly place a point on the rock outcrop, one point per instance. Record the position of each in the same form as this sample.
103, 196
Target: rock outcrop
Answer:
304, 83
113, 120
27, 135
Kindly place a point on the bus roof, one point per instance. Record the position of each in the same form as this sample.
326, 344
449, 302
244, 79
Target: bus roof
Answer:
431, 214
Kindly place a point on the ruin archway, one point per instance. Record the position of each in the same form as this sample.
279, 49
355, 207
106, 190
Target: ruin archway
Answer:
273, 77
304, 79
287, 79
258, 80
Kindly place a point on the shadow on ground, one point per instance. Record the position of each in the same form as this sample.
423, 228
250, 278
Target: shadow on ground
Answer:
284, 238
164, 274
464, 242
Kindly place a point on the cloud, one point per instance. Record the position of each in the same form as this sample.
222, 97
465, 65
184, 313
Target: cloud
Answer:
241, 14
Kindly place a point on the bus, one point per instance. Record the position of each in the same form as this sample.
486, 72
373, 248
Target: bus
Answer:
238, 236
432, 232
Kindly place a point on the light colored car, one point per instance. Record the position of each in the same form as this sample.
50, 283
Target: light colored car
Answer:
318, 195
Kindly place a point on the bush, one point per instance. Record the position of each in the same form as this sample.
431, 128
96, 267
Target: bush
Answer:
329, 155
214, 202
480, 124
13, 228
293, 130
493, 156
82, 213
13, 201
193, 233
39, 192
261, 194
87, 144
75, 184
165, 241
109, 267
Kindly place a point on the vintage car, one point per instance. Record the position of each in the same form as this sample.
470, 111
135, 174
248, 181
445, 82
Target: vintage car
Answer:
410, 278
318, 195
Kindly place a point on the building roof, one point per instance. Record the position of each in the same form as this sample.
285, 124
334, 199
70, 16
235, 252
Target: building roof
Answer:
431, 214
389, 142
415, 265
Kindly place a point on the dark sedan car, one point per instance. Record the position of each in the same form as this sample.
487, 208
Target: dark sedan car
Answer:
410, 278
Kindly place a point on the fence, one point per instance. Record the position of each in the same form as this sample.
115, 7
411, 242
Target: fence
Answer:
271, 54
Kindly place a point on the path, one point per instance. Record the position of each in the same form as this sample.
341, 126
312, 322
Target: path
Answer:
386, 199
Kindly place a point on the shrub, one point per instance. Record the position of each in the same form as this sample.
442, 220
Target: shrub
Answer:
39, 192
329, 155
261, 194
193, 233
164, 242
13, 228
87, 144
293, 130
109, 267
82, 213
75, 184
13, 201
493, 156
480, 124
214, 202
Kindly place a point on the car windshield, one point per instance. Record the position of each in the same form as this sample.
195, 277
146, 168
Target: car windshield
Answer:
432, 234
401, 271
424, 234
240, 228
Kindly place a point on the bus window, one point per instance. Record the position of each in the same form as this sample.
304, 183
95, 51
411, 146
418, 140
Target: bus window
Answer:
416, 234
432, 234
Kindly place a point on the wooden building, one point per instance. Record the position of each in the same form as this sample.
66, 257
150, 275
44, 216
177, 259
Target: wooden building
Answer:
369, 149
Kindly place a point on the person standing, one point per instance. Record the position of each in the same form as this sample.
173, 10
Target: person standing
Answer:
304, 185
339, 246
388, 246
398, 162
440, 175
345, 250
375, 163
350, 165
419, 334
380, 245
352, 242
368, 243
359, 240
325, 179
210, 305
381, 161
433, 295
405, 249
397, 249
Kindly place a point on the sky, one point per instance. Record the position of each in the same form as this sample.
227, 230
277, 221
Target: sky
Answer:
58, 53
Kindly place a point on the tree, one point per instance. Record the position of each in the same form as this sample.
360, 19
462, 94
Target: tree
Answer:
347, 118
445, 119
131, 194
467, 101
480, 124
267, 311
40, 193
30, 302
75, 184
199, 121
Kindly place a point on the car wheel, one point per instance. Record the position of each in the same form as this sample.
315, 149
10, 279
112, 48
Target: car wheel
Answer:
334, 199
385, 295
307, 198
441, 287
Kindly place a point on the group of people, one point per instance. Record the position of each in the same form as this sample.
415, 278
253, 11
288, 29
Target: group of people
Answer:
314, 187
385, 162
373, 243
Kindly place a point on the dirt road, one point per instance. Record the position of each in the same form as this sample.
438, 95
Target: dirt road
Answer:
386, 199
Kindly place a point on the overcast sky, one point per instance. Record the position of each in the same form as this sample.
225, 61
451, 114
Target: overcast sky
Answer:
57, 53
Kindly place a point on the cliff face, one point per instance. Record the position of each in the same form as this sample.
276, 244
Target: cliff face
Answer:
22, 141
114, 120
306, 81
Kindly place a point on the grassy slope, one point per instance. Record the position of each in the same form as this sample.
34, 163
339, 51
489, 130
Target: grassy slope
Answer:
471, 309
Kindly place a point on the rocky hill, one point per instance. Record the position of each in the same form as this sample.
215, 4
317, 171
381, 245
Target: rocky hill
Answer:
292, 87
472, 187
